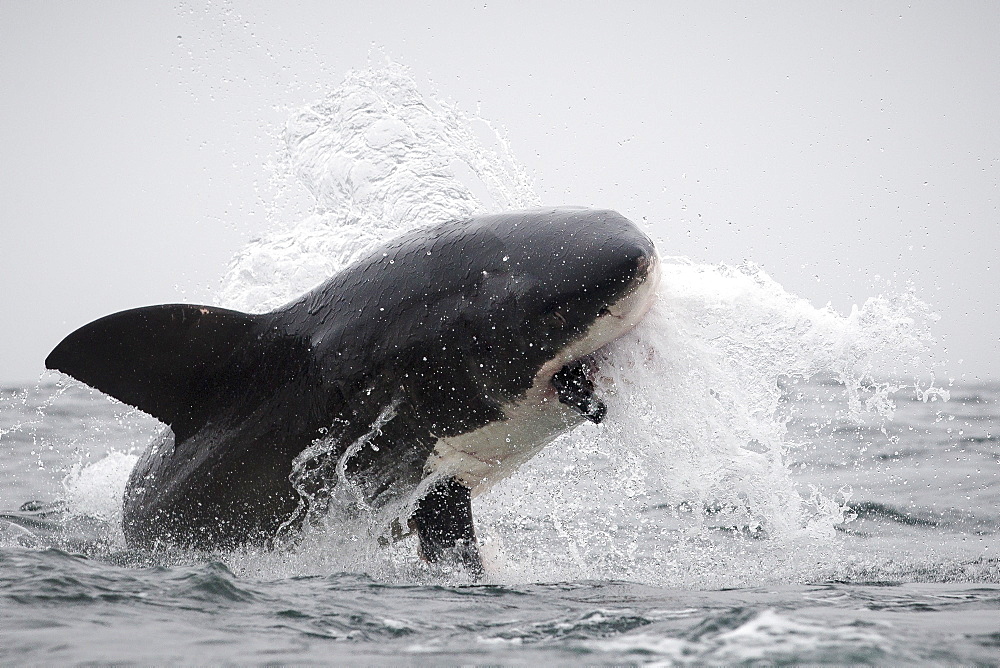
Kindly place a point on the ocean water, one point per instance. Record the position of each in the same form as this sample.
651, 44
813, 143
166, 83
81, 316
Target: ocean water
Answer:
774, 483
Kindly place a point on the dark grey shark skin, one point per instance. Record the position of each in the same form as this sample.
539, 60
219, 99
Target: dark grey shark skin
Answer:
439, 330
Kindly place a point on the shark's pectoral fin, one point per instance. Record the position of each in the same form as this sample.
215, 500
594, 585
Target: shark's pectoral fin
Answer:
443, 521
576, 390
172, 361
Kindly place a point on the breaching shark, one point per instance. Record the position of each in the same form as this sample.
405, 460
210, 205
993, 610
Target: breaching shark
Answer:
432, 369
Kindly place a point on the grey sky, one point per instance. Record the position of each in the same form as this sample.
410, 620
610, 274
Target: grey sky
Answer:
832, 145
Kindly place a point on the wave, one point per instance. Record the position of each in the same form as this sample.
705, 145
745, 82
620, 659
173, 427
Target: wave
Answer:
882, 511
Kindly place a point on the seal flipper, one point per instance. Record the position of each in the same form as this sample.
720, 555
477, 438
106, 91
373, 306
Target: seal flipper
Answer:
172, 361
443, 520
576, 390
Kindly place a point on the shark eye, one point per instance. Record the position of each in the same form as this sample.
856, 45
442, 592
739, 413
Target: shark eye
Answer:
555, 319
603, 312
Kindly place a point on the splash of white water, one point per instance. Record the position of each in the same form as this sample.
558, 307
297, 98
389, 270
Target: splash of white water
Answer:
379, 160
695, 445
96, 490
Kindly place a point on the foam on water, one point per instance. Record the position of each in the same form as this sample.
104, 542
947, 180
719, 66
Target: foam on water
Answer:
96, 490
743, 637
687, 481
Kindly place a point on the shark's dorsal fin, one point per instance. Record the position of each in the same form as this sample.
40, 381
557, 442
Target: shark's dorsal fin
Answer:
168, 360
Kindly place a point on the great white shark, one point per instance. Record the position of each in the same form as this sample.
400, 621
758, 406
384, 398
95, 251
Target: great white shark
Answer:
431, 370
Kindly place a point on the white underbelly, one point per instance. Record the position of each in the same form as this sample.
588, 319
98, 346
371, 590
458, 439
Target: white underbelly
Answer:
484, 457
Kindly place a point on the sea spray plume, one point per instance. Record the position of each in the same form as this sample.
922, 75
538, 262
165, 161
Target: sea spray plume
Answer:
696, 439
376, 151
379, 159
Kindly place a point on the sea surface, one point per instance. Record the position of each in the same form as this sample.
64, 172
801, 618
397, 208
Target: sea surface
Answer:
774, 482
913, 578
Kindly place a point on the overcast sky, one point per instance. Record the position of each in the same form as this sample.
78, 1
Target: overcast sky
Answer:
843, 148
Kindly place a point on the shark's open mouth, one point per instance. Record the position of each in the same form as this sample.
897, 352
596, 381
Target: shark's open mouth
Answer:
572, 381
575, 389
